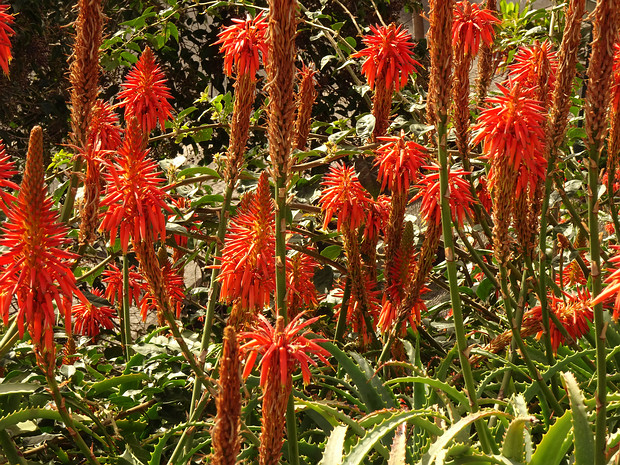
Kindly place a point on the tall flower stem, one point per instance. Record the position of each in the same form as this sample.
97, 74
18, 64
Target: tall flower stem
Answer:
342, 318
604, 33
66, 417
516, 334
125, 318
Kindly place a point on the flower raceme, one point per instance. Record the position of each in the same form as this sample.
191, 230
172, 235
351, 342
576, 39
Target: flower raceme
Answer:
35, 266
613, 284
241, 43
399, 162
145, 94
247, 266
7, 170
534, 68
89, 318
288, 348
471, 27
134, 198
389, 56
113, 278
175, 287
461, 200
6, 20
344, 197
574, 312
513, 135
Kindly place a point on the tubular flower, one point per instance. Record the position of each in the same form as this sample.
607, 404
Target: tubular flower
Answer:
241, 43
377, 218
300, 290
89, 318
615, 82
471, 27
389, 56
513, 136
35, 267
145, 93
363, 307
343, 196
104, 132
575, 313
89, 209
535, 68
282, 349
461, 201
399, 162
613, 284
113, 278
285, 347
7, 170
175, 289
247, 267
6, 20
133, 194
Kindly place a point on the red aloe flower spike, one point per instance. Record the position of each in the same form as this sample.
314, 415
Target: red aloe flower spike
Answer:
282, 348
35, 266
461, 200
615, 82
175, 290
104, 131
389, 56
145, 94
241, 43
343, 196
247, 267
613, 284
471, 27
113, 278
389, 62
574, 314
7, 170
513, 134
133, 193
6, 20
89, 318
535, 68
300, 290
399, 162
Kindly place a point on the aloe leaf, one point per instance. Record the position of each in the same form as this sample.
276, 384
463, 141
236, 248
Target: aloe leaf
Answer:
514, 440
555, 443
18, 388
367, 388
451, 391
107, 384
375, 380
399, 446
584, 438
437, 449
360, 451
335, 446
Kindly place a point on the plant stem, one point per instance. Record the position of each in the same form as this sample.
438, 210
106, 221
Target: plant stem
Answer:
67, 207
342, 318
214, 294
599, 323
10, 451
516, 335
125, 318
455, 298
66, 417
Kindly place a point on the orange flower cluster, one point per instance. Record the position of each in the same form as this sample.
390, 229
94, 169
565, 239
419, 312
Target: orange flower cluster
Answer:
241, 44
399, 162
248, 257
145, 93
113, 278
344, 197
7, 170
575, 313
615, 82
35, 266
535, 69
389, 56
89, 318
472, 26
104, 131
613, 284
175, 289
461, 200
513, 135
287, 348
300, 289
133, 193
6, 19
